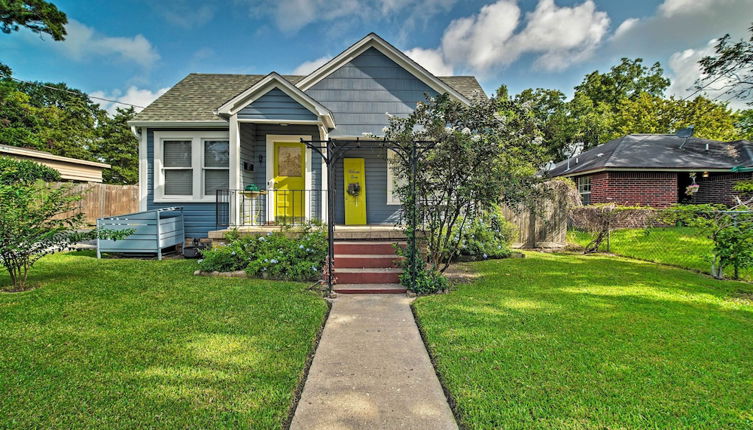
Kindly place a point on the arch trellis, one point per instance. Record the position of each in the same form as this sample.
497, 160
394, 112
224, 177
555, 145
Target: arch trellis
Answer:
332, 150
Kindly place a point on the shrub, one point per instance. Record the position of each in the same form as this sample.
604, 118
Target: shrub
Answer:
487, 236
277, 255
427, 281
24, 172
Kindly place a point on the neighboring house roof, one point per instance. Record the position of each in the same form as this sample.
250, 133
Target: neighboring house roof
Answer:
197, 96
658, 152
71, 169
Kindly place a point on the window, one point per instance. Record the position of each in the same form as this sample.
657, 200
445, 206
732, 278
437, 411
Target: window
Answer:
392, 183
190, 166
216, 166
584, 188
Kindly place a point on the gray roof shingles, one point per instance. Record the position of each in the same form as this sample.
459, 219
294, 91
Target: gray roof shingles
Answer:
197, 95
658, 151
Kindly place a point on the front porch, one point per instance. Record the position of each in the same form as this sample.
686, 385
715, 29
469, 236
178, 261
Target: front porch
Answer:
342, 232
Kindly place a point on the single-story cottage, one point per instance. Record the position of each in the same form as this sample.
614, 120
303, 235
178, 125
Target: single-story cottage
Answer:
227, 148
657, 169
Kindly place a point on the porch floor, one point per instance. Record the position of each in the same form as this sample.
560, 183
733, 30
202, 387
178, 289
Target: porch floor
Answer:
342, 232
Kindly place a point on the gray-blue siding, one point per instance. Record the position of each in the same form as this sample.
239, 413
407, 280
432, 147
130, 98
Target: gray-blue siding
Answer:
362, 91
377, 209
276, 105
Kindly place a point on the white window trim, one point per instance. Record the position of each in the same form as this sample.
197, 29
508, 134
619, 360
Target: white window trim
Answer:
392, 199
197, 164
270, 169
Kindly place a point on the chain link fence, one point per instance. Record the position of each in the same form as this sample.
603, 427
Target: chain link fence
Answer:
675, 245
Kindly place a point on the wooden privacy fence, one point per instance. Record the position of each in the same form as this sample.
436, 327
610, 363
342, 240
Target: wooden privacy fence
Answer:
103, 200
546, 225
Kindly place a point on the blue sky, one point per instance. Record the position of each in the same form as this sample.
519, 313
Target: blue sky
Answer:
134, 50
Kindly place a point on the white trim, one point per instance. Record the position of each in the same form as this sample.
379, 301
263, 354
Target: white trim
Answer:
394, 54
280, 121
267, 84
143, 171
391, 199
324, 135
182, 124
270, 160
197, 154
234, 181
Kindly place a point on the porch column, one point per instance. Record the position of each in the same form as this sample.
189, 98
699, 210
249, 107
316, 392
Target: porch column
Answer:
235, 170
324, 135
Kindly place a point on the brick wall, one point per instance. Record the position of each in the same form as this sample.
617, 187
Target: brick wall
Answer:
655, 189
718, 187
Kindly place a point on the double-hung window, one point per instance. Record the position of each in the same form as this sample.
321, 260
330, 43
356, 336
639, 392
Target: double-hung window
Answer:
190, 166
584, 189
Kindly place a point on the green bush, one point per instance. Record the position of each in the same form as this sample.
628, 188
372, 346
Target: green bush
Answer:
24, 172
277, 255
487, 236
428, 281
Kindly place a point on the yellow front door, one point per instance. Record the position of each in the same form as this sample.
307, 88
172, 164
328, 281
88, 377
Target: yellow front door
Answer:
289, 182
355, 191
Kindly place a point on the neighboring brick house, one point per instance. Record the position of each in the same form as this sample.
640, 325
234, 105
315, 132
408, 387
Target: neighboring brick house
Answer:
656, 169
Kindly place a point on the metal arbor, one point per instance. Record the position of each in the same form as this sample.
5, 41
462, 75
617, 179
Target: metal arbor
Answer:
331, 151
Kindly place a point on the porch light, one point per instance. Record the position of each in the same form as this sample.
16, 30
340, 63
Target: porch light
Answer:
261, 158
706, 174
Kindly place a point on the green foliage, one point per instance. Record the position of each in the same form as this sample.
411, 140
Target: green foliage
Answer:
279, 255
145, 344
488, 235
564, 341
39, 16
427, 281
482, 155
37, 218
61, 120
17, 172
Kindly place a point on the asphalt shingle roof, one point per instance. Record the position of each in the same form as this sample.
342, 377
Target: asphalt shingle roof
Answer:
197, 95
659, 151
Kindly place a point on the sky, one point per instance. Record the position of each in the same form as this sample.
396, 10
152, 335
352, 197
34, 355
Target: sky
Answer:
134, 50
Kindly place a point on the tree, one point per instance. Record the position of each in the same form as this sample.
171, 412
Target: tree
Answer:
731, 66
119, 147
481, 155
745, 124
626, 80
38, 16
37, 218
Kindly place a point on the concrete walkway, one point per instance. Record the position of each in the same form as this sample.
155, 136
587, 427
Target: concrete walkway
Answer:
371, 371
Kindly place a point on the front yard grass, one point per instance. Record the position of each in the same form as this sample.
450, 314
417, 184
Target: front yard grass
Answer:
572, 341
144, 344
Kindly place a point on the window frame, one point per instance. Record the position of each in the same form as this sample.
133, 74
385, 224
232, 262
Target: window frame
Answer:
586, 179
204, 167
197, 139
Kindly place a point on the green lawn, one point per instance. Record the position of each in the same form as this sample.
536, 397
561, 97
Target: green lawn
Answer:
677, 246
134, 343
572, 341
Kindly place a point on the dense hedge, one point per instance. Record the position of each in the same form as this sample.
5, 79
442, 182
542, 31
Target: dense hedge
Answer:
21, 172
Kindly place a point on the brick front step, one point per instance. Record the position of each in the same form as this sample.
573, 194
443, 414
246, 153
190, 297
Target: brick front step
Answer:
369, 289
371, 248
368, 276
362, 261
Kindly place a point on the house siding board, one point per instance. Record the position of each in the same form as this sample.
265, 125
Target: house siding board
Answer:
276, 105
377, 209
362, 91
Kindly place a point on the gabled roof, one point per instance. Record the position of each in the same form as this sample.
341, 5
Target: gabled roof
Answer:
268, 83
196, 97
372, 40
658, 152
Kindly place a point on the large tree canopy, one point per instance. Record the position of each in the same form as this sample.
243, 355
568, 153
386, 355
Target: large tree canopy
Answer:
55, 118
38, 16
731, 66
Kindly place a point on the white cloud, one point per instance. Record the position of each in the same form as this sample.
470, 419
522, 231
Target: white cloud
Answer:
309, 66
133, 95
560, 36
184, 13
84, 42
431, 60
685, 71
679, 7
